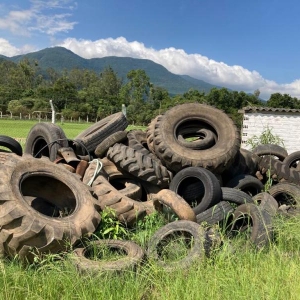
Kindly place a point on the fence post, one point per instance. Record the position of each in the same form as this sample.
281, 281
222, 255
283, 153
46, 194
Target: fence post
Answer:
53, 111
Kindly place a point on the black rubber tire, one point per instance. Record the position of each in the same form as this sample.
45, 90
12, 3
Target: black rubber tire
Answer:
271, 149
116, 137
197, 185
182, 227
134, 256
175, 156
235, 196
292, 160
43, 134
98, 132
205, 138
11, 144
267, 202
246, 183
137, 140
150, 133
250, 215
127, 210
216, 214
26, 225
139, 165
286, 193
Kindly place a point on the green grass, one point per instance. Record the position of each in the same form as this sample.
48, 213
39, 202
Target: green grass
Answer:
271, 273
245, 273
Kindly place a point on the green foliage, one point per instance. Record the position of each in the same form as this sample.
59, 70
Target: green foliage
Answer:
266, 137
110, 227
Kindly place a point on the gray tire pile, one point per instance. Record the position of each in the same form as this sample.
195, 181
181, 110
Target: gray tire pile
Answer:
189, 163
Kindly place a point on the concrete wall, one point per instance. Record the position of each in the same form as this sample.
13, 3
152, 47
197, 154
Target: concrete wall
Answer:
284, 125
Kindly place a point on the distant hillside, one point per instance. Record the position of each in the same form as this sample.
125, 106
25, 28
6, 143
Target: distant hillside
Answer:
60, 58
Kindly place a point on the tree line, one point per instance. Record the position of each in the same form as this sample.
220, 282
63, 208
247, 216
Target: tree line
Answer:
78, 93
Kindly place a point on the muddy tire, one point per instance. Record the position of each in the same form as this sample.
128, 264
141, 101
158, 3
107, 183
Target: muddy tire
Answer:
139, 165
86, 265
11, 144
127, 210
198, 187
98, 132
116, 137
40, 200
44, 139
216, 158
128, 187
175, 203
181, 228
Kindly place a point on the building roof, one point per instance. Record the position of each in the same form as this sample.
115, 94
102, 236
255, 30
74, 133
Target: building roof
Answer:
255, 109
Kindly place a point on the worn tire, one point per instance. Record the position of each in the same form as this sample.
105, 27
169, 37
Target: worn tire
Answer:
292, 160
139, 165
175, 156
286, 193
197, 185
150, 133
235, 196
116, 137
246, 183
267, 202
205, 138
271, 149
250, 215
128, 187
127, 210
181, 227
98, 132
44, 139
26, 225
85, 265
177, 204
11, 144
215, 214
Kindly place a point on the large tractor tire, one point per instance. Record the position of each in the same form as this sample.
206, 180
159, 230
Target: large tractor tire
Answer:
44, 207
175, 156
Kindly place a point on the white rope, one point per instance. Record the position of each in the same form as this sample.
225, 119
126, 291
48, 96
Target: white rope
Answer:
97, 171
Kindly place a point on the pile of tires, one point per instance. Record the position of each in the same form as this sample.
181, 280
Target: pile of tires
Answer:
187, 163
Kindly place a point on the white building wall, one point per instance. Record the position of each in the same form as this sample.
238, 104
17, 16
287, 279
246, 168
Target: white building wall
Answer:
284, 125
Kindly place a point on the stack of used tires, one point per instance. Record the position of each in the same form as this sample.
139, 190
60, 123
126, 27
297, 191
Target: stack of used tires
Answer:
189, 162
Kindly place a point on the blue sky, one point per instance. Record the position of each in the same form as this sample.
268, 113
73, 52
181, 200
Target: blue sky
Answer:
243, 45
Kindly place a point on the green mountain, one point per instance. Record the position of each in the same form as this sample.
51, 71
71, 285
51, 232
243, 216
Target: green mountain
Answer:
60, 58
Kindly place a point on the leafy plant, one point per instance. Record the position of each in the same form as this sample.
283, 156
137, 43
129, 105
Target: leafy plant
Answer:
110, 227
266, 137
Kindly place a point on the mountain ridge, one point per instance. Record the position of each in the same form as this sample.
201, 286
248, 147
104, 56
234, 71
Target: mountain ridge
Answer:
60, 58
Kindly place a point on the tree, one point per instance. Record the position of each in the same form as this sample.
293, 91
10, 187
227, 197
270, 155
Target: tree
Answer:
285, 101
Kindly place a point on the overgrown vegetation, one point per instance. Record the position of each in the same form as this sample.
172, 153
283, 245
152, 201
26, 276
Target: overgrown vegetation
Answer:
266, 137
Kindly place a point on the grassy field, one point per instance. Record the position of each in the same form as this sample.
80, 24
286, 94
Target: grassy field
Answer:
233, 271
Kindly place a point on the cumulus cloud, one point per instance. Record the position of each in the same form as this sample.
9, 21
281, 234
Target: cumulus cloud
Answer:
9, 50
179, 62
39, 17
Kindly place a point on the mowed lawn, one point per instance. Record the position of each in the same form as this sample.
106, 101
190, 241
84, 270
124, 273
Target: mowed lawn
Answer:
19, 129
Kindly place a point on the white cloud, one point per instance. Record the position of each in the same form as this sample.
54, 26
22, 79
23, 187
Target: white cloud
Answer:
39, 17
179, 62
9, 50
